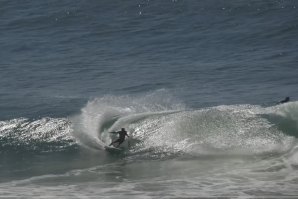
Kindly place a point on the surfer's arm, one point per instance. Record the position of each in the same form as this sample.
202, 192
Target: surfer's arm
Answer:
113, 132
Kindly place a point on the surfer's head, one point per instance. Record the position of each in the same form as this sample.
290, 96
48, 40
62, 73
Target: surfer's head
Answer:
122, 129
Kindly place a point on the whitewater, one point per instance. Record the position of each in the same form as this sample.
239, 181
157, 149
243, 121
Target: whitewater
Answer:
221, 151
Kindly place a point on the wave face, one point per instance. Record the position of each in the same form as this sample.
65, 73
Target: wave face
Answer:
221, 145
160, 127
154, 124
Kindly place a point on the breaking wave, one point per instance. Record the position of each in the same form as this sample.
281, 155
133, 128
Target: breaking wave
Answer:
160, 126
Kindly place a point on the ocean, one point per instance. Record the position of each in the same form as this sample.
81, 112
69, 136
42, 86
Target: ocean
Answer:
196, 84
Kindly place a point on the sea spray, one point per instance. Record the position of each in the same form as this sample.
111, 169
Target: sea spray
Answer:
163, 128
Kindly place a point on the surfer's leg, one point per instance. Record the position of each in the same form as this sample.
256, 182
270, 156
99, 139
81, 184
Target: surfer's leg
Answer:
114, 142
120, 142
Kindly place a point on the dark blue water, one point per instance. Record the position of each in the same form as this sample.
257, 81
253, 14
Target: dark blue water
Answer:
190, 80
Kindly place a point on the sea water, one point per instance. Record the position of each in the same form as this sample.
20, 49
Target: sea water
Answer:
195, 83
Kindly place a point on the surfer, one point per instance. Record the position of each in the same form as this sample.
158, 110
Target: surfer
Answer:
287, 99
121, 138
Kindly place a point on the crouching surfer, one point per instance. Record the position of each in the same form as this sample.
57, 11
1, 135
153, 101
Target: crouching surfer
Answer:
121, 138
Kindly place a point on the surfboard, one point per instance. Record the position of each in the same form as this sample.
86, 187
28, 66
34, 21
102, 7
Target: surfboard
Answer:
113, 149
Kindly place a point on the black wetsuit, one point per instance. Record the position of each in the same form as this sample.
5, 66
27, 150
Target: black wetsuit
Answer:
121, 138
